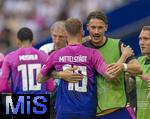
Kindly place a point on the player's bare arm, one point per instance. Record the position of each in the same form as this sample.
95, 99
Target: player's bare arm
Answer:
145, 77
115, 68
66, 75
134, 68
41, 78
109, 76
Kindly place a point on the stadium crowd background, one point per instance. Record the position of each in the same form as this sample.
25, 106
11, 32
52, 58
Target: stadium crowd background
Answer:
126, 17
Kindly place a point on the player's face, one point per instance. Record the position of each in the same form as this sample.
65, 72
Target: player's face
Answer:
97, 29
144, 41
59, 37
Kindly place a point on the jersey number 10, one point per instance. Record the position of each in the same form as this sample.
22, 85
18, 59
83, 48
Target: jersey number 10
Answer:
29, 82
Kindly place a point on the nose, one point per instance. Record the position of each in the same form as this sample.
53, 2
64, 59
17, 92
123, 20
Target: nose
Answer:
141, 41
56, 40
96, 30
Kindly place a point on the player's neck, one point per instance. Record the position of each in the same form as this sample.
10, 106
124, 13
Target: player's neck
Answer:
74, 40
26, 45
148, 56
101, 41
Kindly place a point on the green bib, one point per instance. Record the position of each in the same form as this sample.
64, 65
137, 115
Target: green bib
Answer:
143, 102
111, 94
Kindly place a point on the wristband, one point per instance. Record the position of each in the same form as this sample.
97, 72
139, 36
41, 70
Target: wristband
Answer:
125, 67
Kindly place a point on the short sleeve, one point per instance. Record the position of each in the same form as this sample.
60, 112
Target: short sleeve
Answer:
98, 62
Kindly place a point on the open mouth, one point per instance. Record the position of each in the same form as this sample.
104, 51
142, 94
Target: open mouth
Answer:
96, 37
142, 47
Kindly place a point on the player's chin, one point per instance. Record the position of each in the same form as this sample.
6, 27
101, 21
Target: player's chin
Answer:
143, 52
96, 39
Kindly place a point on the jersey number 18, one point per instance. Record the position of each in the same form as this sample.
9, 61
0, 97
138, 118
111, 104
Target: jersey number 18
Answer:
80, 86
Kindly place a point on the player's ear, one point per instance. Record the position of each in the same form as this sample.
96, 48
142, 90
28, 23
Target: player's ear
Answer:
18, 42
106, 27
33, 41
82, 33
87, 26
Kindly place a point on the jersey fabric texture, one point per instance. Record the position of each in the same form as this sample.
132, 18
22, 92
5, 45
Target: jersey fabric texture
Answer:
111, 94
143, 100
76, 98
22, 66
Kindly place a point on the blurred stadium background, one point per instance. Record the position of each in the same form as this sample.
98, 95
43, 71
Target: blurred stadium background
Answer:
126, 18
